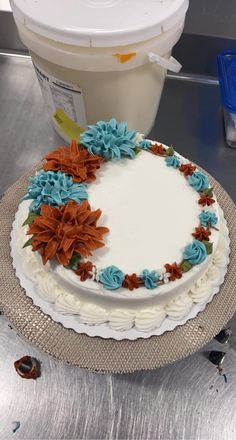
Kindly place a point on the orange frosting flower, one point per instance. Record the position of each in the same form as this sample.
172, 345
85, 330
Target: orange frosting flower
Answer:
132, 281
202, 234
174, 270
158, 150
59, 232
205, 200
74, 160
85, 270
188, 169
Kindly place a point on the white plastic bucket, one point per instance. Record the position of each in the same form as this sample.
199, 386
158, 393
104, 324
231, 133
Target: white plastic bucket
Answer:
107, 74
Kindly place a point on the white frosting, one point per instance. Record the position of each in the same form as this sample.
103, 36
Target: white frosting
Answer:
145, 309
121, 320
150, 209
91, 314
67, 304
178, 308
148, 319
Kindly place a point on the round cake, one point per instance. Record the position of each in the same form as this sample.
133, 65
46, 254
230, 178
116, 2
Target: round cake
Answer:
120, 230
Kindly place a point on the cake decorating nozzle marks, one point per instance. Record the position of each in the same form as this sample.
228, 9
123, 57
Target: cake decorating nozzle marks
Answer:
28, 367
224, 335
217, 357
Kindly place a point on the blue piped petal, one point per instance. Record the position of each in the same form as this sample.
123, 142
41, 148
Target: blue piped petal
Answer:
208, 218
111, 140
150, 278
111, 278
54, 189
198, 181
172, 161
195, 252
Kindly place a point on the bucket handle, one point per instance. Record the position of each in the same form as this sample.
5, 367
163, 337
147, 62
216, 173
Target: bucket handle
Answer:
170, 64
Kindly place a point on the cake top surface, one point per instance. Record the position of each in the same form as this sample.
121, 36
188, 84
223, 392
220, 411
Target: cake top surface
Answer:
148, 220
150, 211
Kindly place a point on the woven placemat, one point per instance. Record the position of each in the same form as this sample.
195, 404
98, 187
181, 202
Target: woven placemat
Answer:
95, 353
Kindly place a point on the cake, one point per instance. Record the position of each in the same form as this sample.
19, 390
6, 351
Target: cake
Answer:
121, 230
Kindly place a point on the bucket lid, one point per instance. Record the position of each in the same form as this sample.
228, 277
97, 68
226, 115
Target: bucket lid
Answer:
227, 79
99, 23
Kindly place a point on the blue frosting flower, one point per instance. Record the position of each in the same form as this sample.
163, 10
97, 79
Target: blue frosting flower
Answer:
150, 278
53, 188
208, 218
172, 161
198, 181
195, 252
111, 277
110, 140
145, 144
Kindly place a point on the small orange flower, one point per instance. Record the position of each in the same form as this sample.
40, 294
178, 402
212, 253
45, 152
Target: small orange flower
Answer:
205, 200
188, 169
84, 270
174, 270
60, 232
158, 150
132, 282
201, 234
74, 160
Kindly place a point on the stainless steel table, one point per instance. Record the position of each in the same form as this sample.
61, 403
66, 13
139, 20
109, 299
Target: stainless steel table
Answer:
187, 400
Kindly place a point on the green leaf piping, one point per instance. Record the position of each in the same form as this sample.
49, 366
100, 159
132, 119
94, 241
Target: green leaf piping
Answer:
73, 265
170, 151
208, 246
28, 242
31, 217
208, 192
186, 266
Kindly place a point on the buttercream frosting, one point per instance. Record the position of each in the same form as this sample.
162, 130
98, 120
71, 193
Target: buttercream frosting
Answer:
143, 234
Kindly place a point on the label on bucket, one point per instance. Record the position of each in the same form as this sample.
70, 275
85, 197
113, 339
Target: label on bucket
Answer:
65, 103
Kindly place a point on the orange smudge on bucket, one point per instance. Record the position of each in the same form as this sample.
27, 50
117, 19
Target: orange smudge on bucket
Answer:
124, 57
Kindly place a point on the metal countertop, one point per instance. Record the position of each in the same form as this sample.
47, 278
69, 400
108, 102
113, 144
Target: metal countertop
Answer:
187, 400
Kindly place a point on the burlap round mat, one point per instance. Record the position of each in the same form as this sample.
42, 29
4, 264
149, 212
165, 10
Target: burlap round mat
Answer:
95, 353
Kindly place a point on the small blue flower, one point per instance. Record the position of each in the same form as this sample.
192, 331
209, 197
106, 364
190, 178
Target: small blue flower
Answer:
145, 144
110, 140
208, 218
150, 278
53, 188
111, 278
195, 252
198, 181
172, 161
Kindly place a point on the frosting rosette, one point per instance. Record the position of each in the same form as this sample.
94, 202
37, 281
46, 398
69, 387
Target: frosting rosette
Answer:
54, 189
149, 278
208, 218
172, 161
145, 144
111, 277
110, 140
74, 160
198, 181
195, 252
64, 231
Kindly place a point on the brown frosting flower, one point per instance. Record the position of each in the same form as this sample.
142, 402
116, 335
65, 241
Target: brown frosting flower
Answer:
84, 270
74, 160
59, 232
132, 282
188, 169
158, 150
202, 233
174, 270
205, 200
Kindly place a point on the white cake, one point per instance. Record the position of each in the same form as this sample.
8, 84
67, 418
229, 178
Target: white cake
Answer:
151, 210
